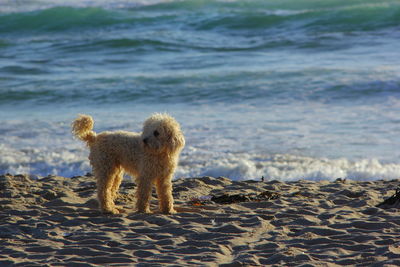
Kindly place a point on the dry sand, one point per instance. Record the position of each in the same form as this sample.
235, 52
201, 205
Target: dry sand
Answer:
53, 221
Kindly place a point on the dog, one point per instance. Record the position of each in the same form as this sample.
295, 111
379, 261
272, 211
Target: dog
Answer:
151, 157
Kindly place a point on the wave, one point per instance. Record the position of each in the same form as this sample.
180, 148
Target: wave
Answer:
284, 167
291, 168
285, 16
195, 88
57, 19
124, 45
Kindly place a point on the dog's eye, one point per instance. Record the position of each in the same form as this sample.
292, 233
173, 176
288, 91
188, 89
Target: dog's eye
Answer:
156, 133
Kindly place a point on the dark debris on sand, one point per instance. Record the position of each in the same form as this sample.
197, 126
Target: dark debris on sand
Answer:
391, 202
236, 198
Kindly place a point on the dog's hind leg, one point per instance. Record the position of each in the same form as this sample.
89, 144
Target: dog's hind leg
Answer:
116, 183
164, 193
118, 177
105, 180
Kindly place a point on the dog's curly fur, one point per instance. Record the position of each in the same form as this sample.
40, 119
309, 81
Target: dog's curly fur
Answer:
151, 157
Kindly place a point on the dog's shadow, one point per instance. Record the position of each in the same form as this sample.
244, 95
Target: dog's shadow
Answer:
82, 202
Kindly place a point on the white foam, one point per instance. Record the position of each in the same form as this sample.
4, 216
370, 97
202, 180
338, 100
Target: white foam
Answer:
287, 167
72, 160
43, 161
213, 147
40, 148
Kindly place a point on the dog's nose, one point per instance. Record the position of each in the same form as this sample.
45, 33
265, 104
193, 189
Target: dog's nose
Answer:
145, 140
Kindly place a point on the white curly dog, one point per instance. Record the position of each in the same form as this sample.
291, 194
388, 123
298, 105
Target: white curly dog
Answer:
151, 157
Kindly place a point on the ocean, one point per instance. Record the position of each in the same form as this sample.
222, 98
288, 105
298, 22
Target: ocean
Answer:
284, 90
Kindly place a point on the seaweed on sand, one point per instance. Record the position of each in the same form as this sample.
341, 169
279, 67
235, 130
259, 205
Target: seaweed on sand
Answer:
392, 201
235, 198
228, 199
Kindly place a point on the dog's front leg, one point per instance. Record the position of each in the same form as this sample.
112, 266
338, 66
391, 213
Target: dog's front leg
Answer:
143, 195
164, 193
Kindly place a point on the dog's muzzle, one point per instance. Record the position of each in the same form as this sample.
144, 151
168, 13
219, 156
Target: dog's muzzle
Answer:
146, 140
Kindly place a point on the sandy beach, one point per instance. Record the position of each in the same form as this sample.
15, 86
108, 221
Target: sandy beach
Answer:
54, 221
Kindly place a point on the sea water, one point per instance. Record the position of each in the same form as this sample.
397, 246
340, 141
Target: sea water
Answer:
283, 90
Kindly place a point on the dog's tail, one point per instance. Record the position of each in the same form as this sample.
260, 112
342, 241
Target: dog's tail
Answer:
82, 128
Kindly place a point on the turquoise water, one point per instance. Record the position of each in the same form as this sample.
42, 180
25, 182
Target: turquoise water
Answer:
282, 89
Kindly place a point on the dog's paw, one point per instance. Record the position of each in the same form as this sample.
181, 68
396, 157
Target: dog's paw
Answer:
171, 211
144, 211
120, 209
111, 211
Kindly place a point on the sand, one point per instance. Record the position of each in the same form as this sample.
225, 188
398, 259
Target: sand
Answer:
54, 221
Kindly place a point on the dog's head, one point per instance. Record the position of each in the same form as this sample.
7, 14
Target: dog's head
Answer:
162, 134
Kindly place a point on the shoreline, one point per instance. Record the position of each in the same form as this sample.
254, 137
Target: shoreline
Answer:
54, 221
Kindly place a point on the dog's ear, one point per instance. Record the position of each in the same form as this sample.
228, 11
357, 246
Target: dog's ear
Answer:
177, 141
